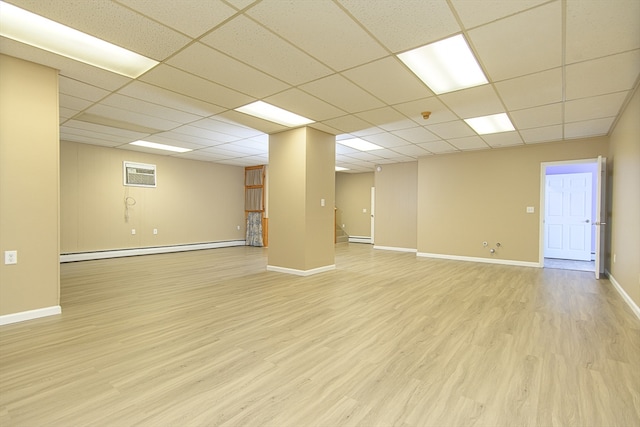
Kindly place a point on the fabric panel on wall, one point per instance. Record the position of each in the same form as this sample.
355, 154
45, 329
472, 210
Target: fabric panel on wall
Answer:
254, 229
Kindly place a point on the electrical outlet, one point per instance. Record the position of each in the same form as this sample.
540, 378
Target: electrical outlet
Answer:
10, 257
133, 231
238, 227
614, 258
155, 231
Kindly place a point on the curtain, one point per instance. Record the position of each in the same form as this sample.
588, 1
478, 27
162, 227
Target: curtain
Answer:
254, 229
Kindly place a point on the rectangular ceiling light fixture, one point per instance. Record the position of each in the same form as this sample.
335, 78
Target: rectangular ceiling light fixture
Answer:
35, 30
274, 114
445, 66
359, 144
157, 146
340, 169
494, 123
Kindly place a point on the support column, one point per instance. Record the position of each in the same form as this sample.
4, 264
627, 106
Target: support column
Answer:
301, 201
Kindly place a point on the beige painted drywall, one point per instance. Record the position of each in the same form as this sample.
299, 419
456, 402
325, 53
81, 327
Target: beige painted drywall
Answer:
301, 173
194, 201
396, 209
29, 185
624, 160
353, 194
470, 197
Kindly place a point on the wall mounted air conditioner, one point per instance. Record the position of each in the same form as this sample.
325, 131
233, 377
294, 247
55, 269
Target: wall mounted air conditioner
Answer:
139, 174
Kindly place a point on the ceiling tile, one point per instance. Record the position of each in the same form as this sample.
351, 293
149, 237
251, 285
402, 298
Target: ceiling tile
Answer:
439, 112
588, 128
457, 129
543, 134
416, 135
532, 90
196, 87
365, 132
473, 102
251, 122
596, 107
161, 139
306, 105
79, 134
93, 140
438, 147
251, 43
381, 116
81, 90
347, 124
386, 140
73, 103
123, 27
536, 117
469, 143
341, 93
503, 139
325, 128
601, 28
108, 131
521, 44
217, 67
133, 105
400, 24
322, 37
411, 150
405, 123
197, 136
229, 127
600, 76
388, 80
157, 95
473, 12
113, 113
196, 18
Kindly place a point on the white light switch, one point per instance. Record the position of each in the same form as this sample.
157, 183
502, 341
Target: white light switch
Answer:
530, 209
364, 210
321, 202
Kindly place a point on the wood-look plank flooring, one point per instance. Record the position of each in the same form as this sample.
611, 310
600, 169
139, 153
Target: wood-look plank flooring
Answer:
387, 339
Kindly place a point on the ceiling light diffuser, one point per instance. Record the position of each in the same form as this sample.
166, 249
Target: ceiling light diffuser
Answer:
274, 114
340, 169
157, 146
35, 30
445, 66
491, 124
359, 144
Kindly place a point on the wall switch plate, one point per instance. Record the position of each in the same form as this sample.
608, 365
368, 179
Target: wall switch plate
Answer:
10, 257
322, 202
133, 231
238, 227
530, 209
155, 231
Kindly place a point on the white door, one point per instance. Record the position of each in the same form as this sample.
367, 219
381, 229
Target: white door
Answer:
601, 212
373, 210
567, 220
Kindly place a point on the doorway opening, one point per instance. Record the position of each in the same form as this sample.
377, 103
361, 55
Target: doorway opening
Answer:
570, 199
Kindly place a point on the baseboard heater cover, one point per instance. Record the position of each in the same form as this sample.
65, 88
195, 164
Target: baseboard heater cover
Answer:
118, 253
360, 239
479, 259
29, 315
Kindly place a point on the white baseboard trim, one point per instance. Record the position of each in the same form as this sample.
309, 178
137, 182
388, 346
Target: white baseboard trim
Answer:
359, 239
22, 316
479, 259
393, 248
117, 253
625, 296
301, 272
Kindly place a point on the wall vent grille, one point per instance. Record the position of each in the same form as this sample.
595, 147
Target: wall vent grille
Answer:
139, 174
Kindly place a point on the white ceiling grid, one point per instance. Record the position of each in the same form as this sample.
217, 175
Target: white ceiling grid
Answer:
560, 69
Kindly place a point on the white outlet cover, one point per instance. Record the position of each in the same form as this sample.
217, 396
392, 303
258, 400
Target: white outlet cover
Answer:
10, 257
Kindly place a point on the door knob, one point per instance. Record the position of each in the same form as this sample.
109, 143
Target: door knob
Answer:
587, 221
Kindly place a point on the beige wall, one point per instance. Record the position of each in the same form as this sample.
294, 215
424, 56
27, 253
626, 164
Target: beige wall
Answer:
395, 214
194, 201
353, 194
28, 185
301, 173
470, 197
624, 160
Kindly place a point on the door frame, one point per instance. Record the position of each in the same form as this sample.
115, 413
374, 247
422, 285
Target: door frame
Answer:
543, 186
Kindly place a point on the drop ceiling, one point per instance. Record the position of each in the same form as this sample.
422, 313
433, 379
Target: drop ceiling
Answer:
560, 69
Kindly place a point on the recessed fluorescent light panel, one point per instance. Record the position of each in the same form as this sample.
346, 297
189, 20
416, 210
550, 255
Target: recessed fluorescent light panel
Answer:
445, 66
40, 32
359, 144
274, 114
157, 146
491, 124
340, 169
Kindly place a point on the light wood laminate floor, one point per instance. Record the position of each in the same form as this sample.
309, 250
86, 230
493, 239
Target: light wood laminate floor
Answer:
387, 339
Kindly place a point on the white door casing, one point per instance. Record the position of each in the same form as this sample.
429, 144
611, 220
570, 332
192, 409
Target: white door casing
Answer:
567, 216
601, 212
